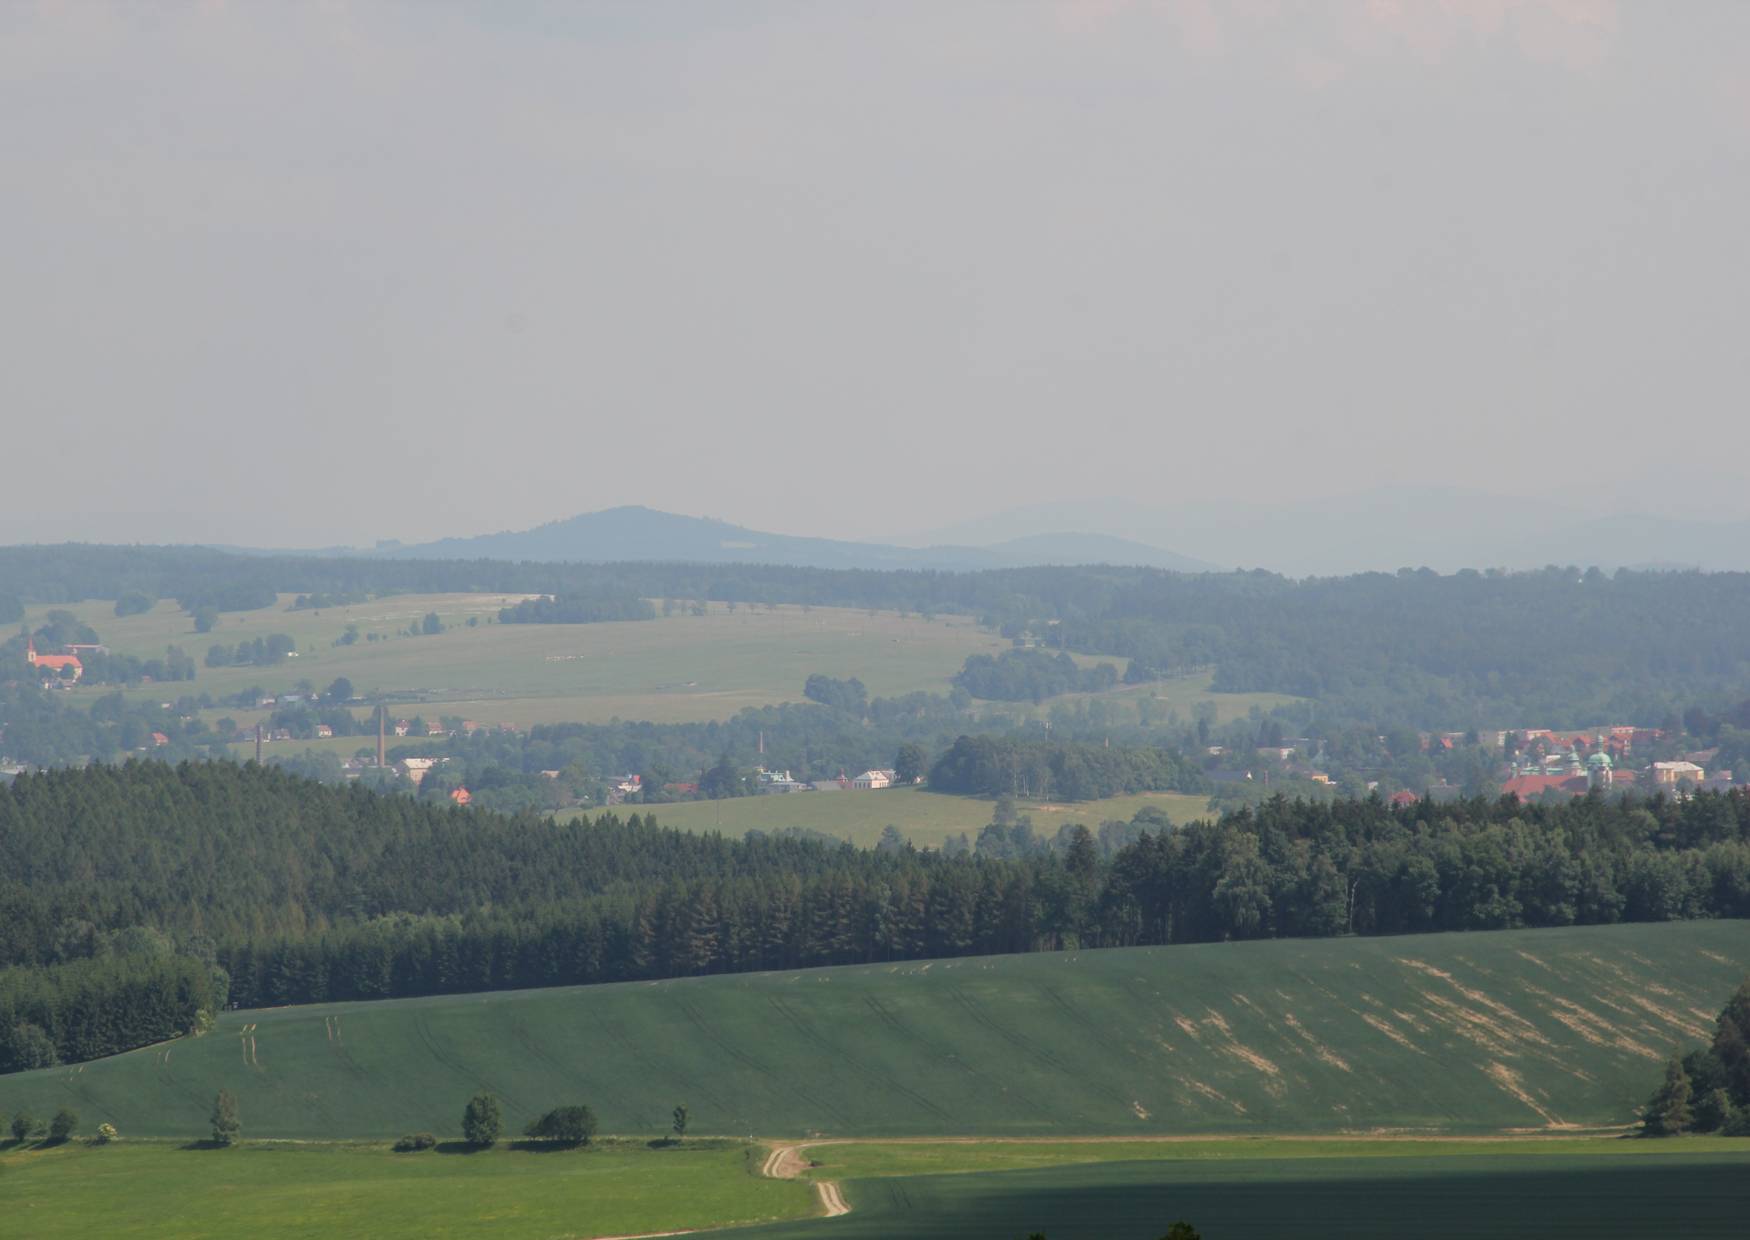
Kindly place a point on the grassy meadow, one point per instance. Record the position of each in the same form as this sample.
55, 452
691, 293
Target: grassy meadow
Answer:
679, 668
925, 818
148, 1190
1543, 1030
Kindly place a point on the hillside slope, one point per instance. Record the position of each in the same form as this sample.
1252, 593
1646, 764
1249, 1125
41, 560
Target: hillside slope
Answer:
1456, 1032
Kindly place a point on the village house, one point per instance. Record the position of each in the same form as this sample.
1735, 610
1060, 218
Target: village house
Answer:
415, 769
461, 796
776, 781
873, 779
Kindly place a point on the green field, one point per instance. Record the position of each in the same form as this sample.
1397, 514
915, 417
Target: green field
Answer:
925, 818
1232, 1189
1541, 1030
151, 1190
1691, 1188
677, 669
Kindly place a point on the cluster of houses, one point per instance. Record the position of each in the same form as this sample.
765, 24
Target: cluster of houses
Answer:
1577, 763
782, 781
766, 783
1535, 762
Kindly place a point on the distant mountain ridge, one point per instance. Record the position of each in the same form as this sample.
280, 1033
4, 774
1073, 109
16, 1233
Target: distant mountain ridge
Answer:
634, 532
1382, 530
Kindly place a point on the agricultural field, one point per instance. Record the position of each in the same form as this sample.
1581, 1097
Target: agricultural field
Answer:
148, 1190
1243, 1190
680, 668
925, 818
1547, 1031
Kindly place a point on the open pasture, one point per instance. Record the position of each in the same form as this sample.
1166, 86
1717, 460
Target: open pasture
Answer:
1544, 1031
678, 668
925, 818
149, 1190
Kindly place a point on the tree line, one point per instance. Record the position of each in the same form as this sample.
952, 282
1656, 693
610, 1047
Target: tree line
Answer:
286, 891
1018, 766
1031, 676
1708, 1088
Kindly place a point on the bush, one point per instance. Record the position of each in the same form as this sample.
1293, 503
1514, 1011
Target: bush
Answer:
105, 1134
23, 1125
481, 1121
62, 1127
415, 1141
568, 1125
227, 1128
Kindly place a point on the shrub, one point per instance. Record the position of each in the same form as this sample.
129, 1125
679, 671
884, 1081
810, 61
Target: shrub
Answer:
227, 1128
414, 1141
568, 1125
105, 1134
65, 1123
481, 1121
23, 1125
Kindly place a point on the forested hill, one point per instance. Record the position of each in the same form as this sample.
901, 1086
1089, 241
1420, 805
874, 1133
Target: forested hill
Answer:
132, 898
1557, 648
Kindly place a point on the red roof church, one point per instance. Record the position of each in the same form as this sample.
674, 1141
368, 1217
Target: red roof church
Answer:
58, 663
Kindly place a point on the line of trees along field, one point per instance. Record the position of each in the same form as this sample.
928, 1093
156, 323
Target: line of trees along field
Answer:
1563, 647
297, 892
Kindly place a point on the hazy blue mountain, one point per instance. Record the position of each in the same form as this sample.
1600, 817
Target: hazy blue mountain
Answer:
639, 533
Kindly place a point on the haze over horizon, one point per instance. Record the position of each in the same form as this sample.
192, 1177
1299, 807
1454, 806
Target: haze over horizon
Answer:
299, 276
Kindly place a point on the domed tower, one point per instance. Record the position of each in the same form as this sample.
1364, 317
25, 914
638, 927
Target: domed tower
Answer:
1598, 770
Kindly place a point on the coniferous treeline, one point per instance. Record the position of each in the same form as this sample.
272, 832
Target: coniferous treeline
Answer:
301, 892
88, 1008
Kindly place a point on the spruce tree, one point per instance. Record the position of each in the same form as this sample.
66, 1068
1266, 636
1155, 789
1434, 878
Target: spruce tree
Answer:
227, 1129
1667, 1113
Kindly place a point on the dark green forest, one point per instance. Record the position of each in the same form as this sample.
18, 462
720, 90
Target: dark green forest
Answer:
298, 892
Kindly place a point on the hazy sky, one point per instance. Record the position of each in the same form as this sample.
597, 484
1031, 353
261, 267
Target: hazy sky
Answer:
296, 274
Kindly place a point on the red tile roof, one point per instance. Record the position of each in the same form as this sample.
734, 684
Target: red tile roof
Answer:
1530, 787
